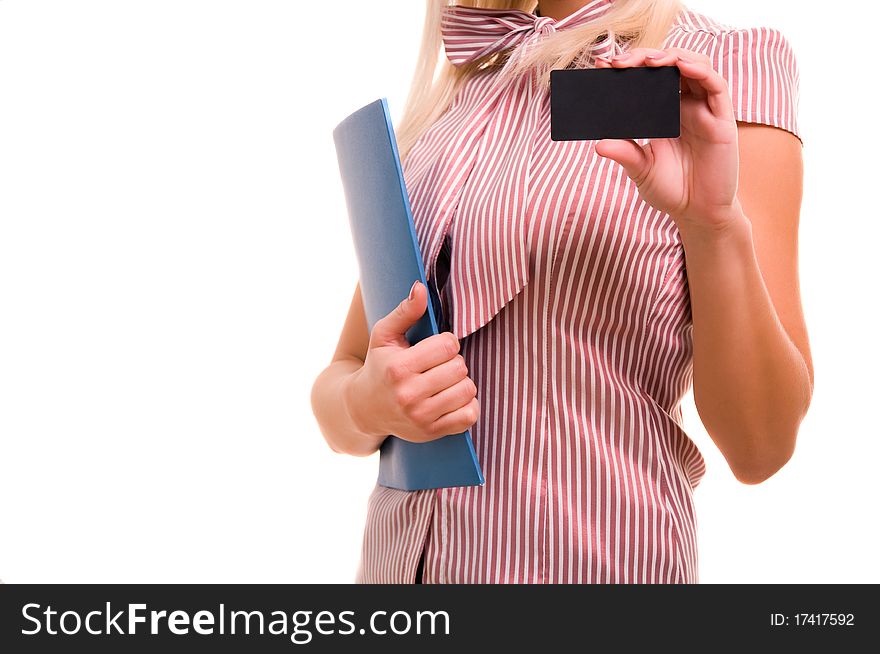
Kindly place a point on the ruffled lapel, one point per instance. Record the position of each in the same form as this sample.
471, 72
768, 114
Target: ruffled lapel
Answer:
489, 262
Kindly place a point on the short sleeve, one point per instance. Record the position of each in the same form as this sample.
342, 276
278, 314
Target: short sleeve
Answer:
761, 70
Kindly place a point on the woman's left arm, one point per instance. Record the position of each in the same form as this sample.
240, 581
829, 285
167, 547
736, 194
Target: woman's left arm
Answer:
734, 191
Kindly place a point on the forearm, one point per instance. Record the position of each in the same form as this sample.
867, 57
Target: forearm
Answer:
752, 385
330, 405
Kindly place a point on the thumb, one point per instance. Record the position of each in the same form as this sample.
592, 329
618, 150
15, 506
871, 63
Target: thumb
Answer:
629, 154
391, 329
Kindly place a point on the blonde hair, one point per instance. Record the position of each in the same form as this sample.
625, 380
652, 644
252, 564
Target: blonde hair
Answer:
639, 23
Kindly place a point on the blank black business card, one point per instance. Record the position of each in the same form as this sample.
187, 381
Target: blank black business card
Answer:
615, 103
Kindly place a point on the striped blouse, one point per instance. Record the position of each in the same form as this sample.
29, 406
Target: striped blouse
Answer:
570, 297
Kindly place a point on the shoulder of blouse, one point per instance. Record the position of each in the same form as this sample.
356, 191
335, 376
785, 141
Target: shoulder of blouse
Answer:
758, 63
691, 23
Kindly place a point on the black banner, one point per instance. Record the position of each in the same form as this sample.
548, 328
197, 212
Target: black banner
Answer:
416, 619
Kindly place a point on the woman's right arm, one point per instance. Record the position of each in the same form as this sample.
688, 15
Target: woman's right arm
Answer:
377, 384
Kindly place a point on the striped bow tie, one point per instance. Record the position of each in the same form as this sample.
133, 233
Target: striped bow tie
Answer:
470, 33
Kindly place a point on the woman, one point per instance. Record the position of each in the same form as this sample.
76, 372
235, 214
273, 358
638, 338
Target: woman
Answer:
587, 285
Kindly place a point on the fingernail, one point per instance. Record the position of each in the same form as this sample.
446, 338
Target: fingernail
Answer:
686, 60
412, 291
652, 56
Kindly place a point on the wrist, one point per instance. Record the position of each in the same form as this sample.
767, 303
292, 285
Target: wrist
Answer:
732, 227
352, 406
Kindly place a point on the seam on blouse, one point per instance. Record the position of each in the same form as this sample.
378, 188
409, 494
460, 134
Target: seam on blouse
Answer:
424, 540
667, 278
675, 263
724, 31
545, 422
772, 120
545, 426
676, 540
665, 489
545, 471
442, 496
564, 230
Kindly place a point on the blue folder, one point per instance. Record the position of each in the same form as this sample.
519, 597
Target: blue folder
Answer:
390, 260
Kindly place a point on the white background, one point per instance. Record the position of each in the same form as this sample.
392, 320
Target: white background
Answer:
175, 267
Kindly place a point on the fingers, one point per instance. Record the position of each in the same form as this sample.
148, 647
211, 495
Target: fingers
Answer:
699, 77
689, 54
431, 352
391, 329
643, 57
653, 57
634, 158
709, 84
689, 85
459, 420
441, 377
448, 400
447, 411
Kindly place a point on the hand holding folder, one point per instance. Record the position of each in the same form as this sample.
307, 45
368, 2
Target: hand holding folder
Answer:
389, 259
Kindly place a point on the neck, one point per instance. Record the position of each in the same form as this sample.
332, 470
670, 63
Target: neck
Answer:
559, 9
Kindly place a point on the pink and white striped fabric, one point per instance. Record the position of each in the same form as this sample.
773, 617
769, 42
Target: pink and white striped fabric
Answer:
570, 297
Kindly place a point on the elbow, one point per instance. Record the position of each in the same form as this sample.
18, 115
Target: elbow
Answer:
315, 398
758, 444
766, 450
757, 472
330, 444
766, 456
